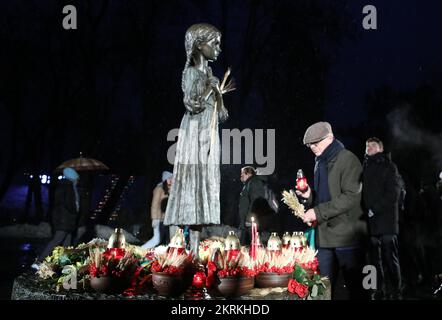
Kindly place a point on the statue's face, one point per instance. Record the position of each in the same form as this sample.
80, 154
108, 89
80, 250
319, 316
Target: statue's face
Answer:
211, 49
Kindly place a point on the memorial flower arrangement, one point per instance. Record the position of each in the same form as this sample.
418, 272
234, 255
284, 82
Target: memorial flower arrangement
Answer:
305, 280
170, 261
224, 264
63, 261
275, 262
60, 257
142, 276
217, 261
132, 265
92, 259
128, 268
230, 272
114, 262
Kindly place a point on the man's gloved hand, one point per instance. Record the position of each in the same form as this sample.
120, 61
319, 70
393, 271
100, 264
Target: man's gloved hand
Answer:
155, 223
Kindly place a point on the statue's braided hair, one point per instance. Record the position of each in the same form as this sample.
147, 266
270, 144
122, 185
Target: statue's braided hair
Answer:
195, 35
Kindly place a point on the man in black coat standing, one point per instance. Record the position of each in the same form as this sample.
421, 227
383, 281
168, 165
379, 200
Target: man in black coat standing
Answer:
252, 202
380, 194
66, 217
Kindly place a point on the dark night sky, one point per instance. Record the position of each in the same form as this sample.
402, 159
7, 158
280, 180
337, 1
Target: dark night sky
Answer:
136, 72
404, 52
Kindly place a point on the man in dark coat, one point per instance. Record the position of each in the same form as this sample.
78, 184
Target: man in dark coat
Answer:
252, 202
380, 194
66, 213
335, 206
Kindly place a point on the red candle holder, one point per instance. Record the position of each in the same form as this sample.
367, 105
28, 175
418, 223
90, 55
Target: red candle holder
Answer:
232, 254
301, 181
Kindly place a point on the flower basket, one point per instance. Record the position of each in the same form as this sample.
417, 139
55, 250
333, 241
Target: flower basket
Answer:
272, 279
234, 286
168, 284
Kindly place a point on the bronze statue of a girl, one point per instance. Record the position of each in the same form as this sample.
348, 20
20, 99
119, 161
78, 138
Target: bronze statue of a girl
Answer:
194, 196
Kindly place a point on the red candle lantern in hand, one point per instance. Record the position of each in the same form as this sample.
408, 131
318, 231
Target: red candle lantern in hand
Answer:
302, 185
301, 181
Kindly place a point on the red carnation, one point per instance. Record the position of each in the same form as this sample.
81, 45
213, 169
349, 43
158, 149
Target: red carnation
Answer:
156, 267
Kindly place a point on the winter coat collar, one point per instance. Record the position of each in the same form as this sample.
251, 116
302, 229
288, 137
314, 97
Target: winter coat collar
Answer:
379, 157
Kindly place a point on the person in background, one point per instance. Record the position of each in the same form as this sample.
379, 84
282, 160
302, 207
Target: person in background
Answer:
157, 212
252, 190
66, 216
380, 195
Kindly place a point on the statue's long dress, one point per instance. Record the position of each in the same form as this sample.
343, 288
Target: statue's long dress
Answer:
194, 196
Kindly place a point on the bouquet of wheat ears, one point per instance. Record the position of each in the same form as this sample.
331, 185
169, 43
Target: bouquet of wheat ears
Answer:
291, 200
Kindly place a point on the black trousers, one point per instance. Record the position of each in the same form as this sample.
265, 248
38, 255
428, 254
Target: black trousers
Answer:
351, 261
385, 257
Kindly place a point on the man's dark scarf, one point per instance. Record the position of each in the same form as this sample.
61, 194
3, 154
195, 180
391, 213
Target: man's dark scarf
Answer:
321, 172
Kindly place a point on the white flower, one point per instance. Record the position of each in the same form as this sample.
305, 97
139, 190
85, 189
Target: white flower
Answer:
45, 270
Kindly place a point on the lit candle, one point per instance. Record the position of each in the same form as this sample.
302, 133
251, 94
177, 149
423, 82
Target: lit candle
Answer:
252, 244
301, 181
